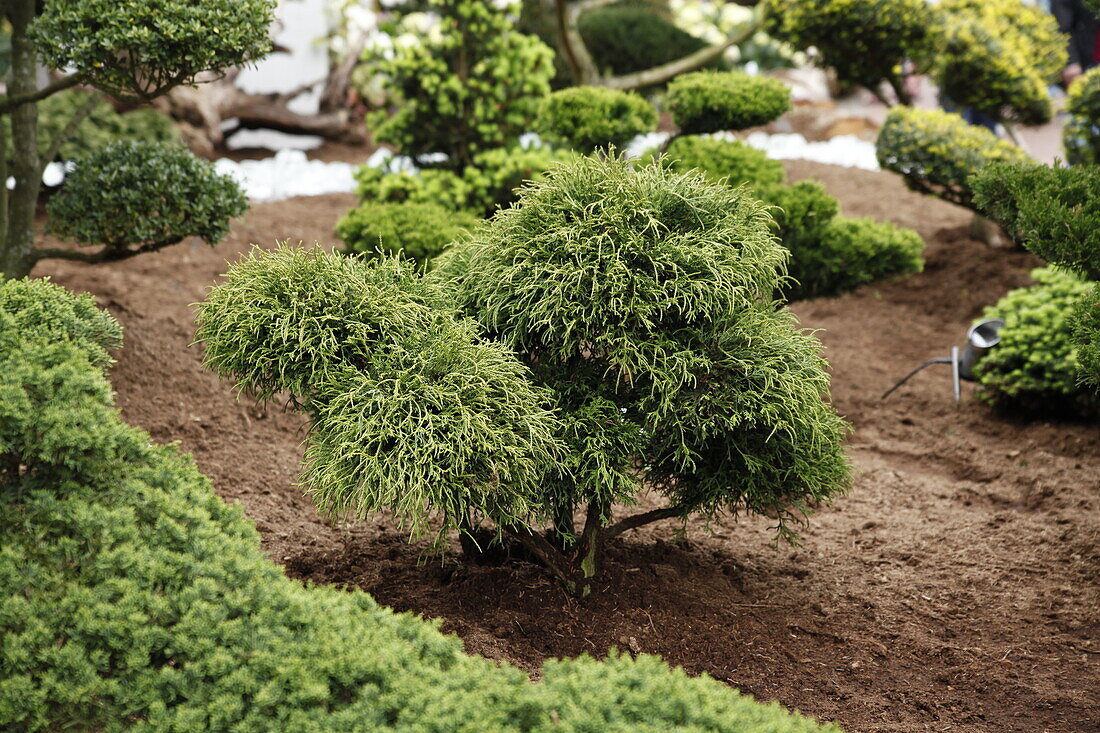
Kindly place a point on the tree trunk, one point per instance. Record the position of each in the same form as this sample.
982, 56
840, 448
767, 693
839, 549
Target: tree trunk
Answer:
18, 241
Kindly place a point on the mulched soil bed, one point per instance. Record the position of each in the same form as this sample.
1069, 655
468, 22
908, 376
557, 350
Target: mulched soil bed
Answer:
954, 588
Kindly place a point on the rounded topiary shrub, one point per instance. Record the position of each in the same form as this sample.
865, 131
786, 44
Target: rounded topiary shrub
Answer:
848, 253
937, 152
586, 118
732, 160
709, 101
1035, 367
495, 176
626, 38
417, 232
132, 197
431, 186
1081, 136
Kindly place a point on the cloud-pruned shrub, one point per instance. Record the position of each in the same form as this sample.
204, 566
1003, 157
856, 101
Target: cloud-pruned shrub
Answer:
733, 161
587, 118
629, 37
415, 231
715, 101
1081, 135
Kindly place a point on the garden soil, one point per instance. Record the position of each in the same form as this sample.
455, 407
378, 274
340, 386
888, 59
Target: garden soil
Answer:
954, 588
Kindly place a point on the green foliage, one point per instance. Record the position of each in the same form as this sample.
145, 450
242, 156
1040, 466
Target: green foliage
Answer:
586, 118
143, 194
102, 126
853, 252
647, 292
133, 598
410, 410
730, 160
1082, 132
707, 101
487, 184
626, 38
866, 41
476, 86
1034, 368
1085, 324
938, 152
143, 48
998, 57
56, 315
1054, 212
418, 232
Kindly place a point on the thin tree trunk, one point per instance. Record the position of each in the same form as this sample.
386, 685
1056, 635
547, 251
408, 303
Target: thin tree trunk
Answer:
15, 260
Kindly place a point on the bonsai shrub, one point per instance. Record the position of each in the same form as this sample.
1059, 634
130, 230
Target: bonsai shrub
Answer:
630, 37
733, 161
1034, 368
1081, 136
998, 57
586, 118
133, 197
867, 42
639, 303
707, 101
848, 253
417, 232
473, 86
937, 152
1054, 212
133, 52
173, 618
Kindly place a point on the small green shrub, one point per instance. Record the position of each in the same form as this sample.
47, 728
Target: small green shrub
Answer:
151, 45
866, 41
418, 232
1082, 132
133, 197
1034, 368
938, 152
850, 253
627, 38
1085, 325
732, 160
475, 85
431, 186
1054, 212
708, 101
586, 118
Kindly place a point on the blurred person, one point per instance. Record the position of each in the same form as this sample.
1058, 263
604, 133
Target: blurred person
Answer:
1082, 27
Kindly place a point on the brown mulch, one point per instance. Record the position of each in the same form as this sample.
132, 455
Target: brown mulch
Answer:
954, 588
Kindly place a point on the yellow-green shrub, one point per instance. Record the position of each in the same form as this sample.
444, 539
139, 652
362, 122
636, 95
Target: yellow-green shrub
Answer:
415, 231
1081, 136
715, 101
586, 118
730, 160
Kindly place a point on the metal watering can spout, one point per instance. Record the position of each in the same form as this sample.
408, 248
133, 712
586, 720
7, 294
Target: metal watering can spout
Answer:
981, 337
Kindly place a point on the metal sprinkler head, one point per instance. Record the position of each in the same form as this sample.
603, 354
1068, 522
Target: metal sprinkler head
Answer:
981, 337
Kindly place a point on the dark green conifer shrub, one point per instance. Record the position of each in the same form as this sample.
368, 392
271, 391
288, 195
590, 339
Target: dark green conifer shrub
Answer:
133, 598
417, 232
938, 152
1082, 132
1035, 367
709, 101
730, 160
626, 38
866, 41
134, 197
586, 118
475, 87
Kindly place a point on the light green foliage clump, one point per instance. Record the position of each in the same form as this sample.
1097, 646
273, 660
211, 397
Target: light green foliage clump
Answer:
144, 196
1054, 212
733, 161
133, 598
848, 253
998, 57
474, 86
147, 46
1035, 366
937, 152
103, 125
708, 101
1082, 132
630, 37
642, 297
417, 232
487, 184
586, 118
865, 41
409, 408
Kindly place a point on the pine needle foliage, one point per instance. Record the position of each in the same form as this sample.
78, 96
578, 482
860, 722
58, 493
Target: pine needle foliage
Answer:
133, 598
410, 409
643, 298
